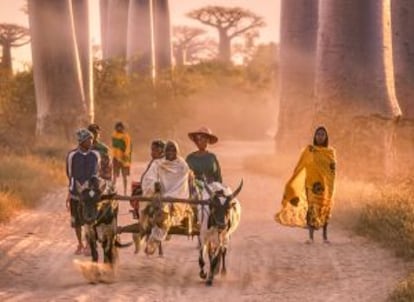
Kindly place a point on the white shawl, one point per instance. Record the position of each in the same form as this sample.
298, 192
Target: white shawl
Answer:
173, 176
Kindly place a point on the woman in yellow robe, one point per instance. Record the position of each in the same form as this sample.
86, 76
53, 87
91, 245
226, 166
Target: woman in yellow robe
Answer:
307, 200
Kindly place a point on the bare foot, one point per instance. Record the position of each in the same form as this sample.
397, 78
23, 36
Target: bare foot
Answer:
326, 241
309, 241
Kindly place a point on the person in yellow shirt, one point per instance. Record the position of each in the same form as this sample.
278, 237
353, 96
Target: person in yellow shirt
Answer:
307, 199
121, 153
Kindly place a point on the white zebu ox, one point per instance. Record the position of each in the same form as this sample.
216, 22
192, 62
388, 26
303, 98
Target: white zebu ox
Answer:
218, 220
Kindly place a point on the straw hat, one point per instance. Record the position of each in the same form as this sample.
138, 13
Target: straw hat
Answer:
212, 139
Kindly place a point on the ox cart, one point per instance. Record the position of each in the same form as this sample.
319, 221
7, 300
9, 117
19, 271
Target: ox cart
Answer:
189, 225
217, 224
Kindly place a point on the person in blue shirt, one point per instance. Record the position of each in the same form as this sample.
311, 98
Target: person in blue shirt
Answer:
82, 163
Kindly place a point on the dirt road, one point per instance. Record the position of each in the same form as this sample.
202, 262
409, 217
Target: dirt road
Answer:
266, 262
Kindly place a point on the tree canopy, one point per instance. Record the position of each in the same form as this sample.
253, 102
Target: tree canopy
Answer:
230, 22
11, 35
190, 44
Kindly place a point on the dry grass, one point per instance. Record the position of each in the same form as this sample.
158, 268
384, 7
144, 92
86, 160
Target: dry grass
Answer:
390, 219
24, 180
9, 204
404, 291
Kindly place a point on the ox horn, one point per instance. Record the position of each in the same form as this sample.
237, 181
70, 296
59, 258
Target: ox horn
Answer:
237, 191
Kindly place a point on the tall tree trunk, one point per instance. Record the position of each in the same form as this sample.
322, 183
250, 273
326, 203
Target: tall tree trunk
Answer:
60, 101
162, 35
139, 42
299, 21
6, 60
224, 46
355, 89
403, 38
403, 46
103, 9
116, 29
83, 40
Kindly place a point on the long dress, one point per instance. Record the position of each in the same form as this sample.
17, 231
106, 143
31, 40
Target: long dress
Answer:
307, 199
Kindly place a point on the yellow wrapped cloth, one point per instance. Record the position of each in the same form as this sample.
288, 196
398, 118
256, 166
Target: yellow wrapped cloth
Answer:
307, 199
121, 148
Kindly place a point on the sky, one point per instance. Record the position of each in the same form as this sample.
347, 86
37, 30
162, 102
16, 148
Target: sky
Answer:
10, 12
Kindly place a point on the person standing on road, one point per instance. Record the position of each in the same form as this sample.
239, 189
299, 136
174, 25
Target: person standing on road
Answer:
104, 151
121, 152
82, 164
307, 200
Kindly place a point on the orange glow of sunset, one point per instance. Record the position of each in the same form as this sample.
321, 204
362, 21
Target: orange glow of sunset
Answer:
11, 12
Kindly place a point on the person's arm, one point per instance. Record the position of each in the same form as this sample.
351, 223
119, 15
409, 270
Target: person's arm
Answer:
149, 178
128, 149
332, 176
69, 175
97, 163
217, 173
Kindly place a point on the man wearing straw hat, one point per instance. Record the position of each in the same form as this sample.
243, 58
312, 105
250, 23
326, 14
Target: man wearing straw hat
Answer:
202, 162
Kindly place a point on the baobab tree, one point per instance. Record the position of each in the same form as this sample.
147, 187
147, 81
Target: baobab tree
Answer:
139, 43
162, 35
203, 50
298, 34
230, 22
186, 40
115, 29
403, 45
103, 13
11, 35
83, 42
60, 100
246, 46
354, 82
402, 16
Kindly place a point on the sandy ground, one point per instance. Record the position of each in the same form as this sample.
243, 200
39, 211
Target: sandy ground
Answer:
266, 262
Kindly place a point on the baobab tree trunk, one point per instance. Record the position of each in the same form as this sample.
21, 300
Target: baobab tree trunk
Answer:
224, 46
60, 101
403, 44
116, 29
83, 41
402, 14
299, 21
139, 41
162, 35
103, 10
6, 60
354, 82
